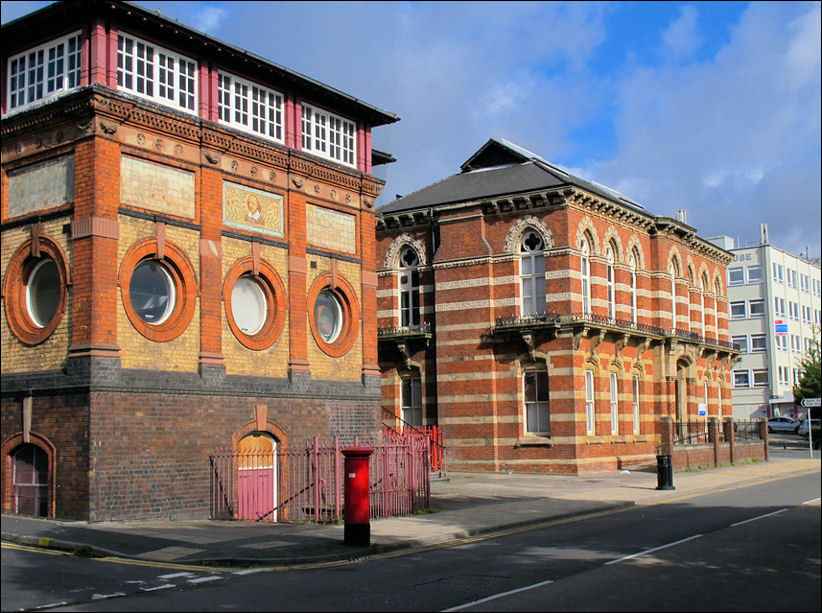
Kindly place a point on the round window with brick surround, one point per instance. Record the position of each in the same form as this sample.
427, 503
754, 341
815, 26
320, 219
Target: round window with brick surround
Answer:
158, 291
333, 314
35, 290
254, 303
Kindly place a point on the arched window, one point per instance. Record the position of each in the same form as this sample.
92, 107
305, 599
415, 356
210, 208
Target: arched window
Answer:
632, 267
409, 288
532, 274
704, 287
585, 269
672, 272
609, 281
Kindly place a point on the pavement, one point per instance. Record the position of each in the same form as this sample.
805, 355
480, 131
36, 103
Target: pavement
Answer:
464, 505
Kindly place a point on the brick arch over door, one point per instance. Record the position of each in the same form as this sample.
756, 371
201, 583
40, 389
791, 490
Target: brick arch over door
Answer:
12, 445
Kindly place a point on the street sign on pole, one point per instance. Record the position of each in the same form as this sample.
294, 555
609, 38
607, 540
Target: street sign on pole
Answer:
811, 403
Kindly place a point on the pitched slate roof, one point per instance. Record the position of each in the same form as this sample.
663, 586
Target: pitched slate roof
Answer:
499, 168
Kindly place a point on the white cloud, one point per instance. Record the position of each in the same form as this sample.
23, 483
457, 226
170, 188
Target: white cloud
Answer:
209, 18
682, 38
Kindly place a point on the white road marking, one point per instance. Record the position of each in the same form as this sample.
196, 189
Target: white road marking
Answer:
642, 553
495, 596
745, 521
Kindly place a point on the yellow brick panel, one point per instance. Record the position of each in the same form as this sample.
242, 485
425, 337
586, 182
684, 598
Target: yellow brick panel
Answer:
51, 353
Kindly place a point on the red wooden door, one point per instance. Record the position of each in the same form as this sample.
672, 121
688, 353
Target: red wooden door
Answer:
256, 478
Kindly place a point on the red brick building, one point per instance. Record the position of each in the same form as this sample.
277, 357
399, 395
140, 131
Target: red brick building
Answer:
543, 322
188, 261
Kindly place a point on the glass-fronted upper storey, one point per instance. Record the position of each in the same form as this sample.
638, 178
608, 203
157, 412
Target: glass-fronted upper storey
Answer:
187, 71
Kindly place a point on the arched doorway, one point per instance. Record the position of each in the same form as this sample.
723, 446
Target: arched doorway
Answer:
257, 477
30, 480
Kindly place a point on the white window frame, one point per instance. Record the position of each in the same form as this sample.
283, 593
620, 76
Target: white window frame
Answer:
614, 387
532, 274
760, 312
778, 273
590, 407
157, 74
741, 379
739, 272
585, 269
757, 379
329, 136
635, 392
741, 341
250, 107
633, 266
43, 72
411, 408
408, 286
759, 343
609, 282
755, 274
537, 405
672, 272
737, 303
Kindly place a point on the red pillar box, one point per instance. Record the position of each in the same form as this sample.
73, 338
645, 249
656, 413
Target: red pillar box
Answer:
357, 511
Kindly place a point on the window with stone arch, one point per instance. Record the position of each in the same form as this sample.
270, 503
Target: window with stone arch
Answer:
408, 284
704, 286
633, 260
532, 274
672, 271
609, 280
585, 270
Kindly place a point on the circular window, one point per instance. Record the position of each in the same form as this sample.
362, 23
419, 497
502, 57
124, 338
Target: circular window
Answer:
35, 290
333, 315
159, 294
248, 304
254, 303
152, 292
328, 316
43, 292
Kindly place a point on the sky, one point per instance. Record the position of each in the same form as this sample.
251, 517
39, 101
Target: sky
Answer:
710, 107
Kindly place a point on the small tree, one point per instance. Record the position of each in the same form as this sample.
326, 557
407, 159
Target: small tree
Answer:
810, 382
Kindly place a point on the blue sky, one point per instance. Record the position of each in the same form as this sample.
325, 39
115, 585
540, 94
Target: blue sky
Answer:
711, 107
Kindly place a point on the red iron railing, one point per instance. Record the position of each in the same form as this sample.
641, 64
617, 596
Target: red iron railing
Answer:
306, 484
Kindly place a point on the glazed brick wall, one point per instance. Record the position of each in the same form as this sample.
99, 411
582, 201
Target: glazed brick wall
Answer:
63, 420
181, 353
51, 353
323, 366
239, 360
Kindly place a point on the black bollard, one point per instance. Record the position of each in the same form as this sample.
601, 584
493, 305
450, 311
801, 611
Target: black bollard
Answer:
664, 473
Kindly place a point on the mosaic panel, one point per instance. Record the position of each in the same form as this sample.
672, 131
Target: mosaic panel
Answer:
155, 187
41, 186
252, 209
332, 230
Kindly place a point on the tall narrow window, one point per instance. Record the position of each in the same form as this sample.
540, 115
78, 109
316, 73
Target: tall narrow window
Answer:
635, 390
590, 415
609, 278
672, 272
705, 394
719, 400
537, 407
614, 404
632, 265
412, 401
585, 269
409, 288
532, 274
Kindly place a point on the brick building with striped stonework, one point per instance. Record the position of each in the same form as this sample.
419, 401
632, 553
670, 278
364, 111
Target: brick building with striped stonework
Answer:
188, 261
543, 322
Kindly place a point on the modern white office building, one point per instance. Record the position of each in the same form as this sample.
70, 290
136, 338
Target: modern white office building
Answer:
774, 308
